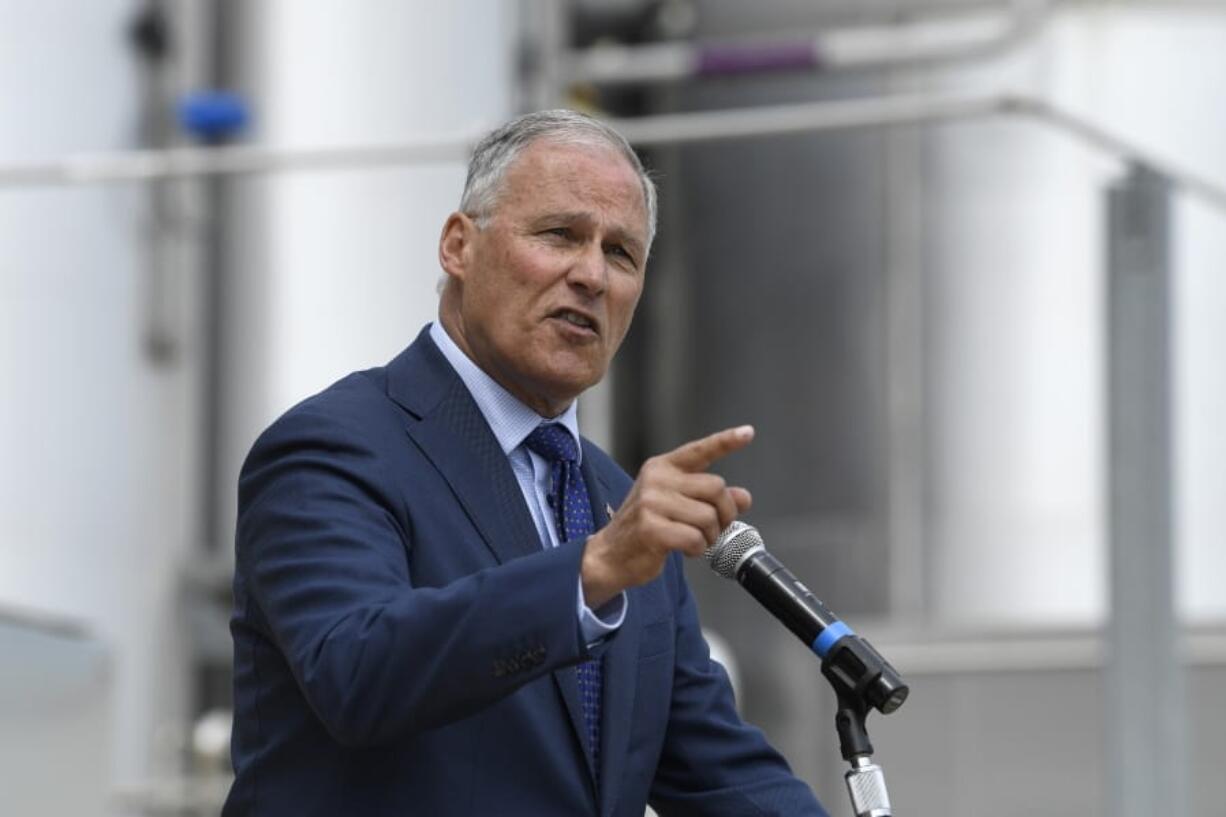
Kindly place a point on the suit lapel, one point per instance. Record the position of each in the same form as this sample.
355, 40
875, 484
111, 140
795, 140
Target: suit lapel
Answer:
620, 666
453, 434
455, 437
482, 480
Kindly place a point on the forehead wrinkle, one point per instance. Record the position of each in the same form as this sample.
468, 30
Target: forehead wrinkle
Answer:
616, 178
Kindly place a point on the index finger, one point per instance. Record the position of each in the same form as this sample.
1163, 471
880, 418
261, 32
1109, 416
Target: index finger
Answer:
698, 455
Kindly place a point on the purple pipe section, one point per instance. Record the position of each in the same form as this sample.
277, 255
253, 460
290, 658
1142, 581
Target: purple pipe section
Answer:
729, 60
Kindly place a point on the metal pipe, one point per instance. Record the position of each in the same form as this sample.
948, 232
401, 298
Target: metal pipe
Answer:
853, 48
181, 163
849, 13
544, 26
665, 129
1145, 686
778, 120
1105, 141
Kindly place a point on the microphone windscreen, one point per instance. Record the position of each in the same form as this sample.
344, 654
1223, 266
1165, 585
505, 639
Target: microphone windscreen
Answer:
731, 547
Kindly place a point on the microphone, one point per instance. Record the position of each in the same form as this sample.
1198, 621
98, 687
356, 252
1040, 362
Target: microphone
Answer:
848, 661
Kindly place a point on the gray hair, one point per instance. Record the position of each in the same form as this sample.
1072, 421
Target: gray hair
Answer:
494, 154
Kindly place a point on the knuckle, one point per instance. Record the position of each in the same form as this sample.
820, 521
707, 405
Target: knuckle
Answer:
651, 497
713, 488
653, 470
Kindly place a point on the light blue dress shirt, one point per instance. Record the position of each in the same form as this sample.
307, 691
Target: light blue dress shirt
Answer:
512, 422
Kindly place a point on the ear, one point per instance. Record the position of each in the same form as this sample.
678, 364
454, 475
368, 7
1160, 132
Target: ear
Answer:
455, 245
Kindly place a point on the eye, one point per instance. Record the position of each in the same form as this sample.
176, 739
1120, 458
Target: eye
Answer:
619, 250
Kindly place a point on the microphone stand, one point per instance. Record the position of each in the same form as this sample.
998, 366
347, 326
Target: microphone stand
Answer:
865, 780
862, 679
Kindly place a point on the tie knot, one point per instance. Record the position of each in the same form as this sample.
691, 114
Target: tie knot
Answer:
553, 442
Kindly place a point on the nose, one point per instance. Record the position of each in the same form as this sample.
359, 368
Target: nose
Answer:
589, 272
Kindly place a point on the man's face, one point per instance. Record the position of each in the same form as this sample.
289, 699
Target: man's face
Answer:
547, 288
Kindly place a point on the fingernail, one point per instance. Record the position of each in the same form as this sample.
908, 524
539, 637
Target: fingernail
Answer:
744, 432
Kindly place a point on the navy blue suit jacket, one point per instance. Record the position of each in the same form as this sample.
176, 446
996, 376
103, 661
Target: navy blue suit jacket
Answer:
404, 645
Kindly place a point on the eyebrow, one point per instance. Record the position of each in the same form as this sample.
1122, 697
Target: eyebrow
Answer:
615, 233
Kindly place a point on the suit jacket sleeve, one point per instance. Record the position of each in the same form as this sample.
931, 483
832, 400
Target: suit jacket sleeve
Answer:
323, 564
712, 762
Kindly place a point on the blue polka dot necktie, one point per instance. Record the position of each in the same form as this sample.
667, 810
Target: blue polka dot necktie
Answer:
573, 513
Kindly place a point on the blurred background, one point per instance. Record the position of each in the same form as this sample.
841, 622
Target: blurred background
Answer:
961, 262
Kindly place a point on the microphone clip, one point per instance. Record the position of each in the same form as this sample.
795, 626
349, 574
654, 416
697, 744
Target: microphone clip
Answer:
862, 680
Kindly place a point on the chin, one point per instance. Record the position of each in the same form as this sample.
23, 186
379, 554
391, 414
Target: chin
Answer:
567, 385
572, 388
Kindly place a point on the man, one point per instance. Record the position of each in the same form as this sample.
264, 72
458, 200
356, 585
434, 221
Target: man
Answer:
446, 602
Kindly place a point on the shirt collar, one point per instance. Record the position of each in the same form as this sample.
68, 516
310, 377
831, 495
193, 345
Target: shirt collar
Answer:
509, 419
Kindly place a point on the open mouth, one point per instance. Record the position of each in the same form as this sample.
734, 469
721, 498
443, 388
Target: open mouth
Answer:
578, 320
